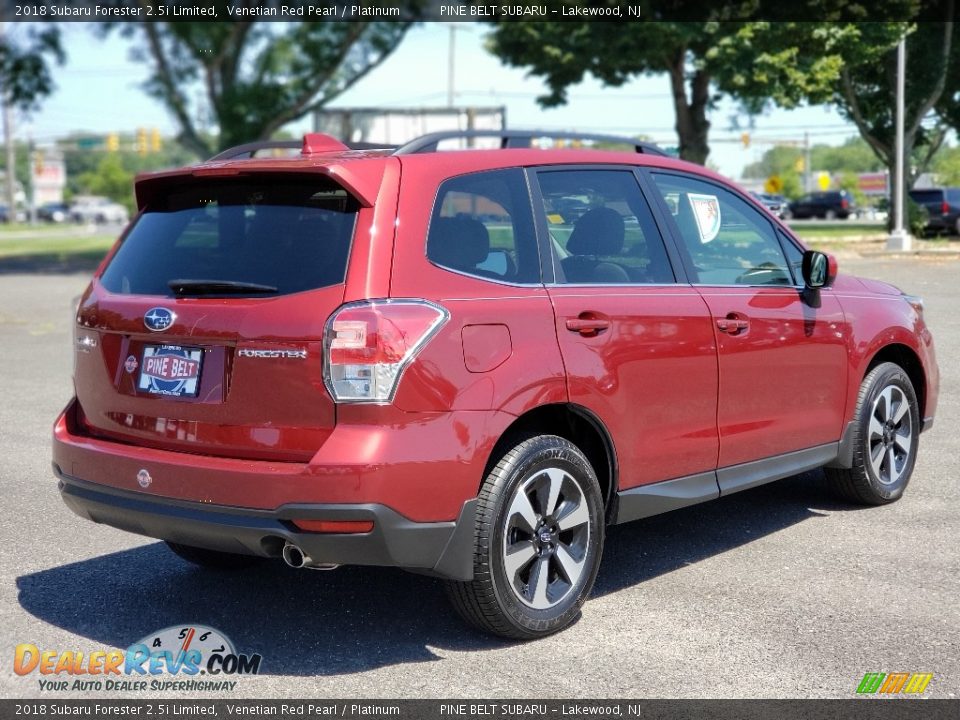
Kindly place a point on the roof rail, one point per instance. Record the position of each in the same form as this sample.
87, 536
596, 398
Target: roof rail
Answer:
519, 139
248, 150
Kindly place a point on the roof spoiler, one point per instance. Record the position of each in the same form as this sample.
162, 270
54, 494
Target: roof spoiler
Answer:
312, 144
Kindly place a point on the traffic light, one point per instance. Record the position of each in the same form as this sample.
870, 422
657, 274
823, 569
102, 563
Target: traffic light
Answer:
113, 142
155, 141
745, 139
142, 141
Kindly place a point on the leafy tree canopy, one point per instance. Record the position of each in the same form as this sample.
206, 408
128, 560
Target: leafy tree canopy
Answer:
255, 76
866, 93
740, 52
25, 55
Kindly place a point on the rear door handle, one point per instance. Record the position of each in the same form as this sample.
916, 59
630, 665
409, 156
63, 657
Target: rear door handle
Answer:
586, 325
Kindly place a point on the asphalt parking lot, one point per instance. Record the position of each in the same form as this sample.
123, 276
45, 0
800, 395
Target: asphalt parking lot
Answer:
781, 591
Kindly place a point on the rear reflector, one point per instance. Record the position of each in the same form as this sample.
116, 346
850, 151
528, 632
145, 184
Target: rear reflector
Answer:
335, 526
945, 208
368, 344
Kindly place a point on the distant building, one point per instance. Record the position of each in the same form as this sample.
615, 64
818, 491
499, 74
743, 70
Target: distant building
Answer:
395, 126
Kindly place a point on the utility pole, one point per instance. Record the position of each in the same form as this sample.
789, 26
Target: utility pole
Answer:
451, 64
11, 170
899, 238
808, 171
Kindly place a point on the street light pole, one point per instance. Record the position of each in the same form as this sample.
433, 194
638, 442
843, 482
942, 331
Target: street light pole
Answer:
899, 238
8, 139
451, 63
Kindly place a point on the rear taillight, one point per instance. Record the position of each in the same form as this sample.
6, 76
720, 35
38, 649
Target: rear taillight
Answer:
366, 346
844, 204
945, 208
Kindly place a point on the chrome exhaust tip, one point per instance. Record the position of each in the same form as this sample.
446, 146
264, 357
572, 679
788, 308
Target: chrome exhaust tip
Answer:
293, 556
296, 558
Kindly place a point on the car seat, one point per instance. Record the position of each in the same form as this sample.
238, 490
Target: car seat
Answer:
599, 232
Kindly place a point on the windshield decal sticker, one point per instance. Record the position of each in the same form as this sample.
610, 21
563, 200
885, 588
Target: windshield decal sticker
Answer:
706, 210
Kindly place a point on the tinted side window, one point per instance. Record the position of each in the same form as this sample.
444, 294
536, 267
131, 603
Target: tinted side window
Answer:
729, 242
794, 257
482, 225
601, 229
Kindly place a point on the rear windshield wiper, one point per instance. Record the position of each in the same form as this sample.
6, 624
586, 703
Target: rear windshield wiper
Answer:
218, 287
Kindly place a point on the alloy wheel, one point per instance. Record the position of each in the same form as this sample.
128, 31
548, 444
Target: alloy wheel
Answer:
890, 435
546, 538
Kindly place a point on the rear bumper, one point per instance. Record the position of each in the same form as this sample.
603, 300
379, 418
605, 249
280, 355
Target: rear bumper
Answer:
423, 466
441, 548
942, 222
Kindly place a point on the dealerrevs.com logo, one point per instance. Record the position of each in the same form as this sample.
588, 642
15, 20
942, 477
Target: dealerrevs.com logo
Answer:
894, 683
185, 657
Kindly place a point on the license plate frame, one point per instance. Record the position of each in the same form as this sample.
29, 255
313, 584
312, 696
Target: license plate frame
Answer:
169, 370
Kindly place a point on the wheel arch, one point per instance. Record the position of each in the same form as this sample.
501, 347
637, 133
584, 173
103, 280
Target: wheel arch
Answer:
905, 357
574, 423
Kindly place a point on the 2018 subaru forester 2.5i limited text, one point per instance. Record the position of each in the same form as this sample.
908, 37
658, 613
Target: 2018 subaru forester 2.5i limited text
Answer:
469, 363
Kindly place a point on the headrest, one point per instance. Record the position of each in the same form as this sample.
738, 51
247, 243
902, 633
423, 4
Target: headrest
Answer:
458, 242
598, 232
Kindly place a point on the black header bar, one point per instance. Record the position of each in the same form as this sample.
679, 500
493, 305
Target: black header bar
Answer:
455, 709
470, 11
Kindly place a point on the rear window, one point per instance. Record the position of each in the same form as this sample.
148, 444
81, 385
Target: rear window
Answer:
926, 196
239, 238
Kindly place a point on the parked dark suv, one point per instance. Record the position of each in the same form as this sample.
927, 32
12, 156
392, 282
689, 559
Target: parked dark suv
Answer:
833, 205
943, 208
469, 364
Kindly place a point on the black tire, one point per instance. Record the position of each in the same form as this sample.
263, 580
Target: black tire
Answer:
213, 559
505, 602
864, 483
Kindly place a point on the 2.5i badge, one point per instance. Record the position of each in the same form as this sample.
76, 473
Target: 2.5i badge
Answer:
170, 370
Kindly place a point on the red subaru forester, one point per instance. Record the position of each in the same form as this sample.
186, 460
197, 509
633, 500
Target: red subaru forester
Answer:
469, 363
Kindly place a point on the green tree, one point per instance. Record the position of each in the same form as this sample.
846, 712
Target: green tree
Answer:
847, 160
780, 160
25, 56
255, 76
734, 53
110, 179
98, 172
853, 156
866, 92
948, 106
946, 166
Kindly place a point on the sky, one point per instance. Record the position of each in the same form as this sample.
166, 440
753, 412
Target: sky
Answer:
99, 91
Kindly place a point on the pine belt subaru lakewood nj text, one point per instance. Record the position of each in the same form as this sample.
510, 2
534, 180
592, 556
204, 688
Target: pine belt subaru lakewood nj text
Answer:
469, 363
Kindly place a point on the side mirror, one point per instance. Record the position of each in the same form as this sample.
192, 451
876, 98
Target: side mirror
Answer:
819, 269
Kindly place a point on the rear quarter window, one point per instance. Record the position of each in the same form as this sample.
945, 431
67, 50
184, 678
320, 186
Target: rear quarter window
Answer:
482, 225
288, 235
